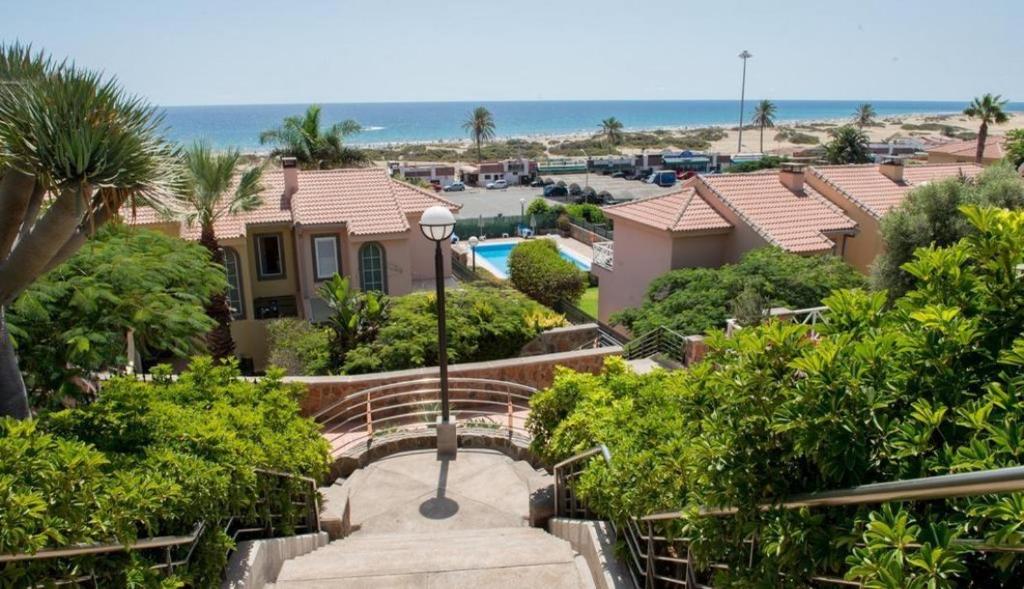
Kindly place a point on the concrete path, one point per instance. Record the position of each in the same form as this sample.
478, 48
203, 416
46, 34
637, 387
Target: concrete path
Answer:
421, 522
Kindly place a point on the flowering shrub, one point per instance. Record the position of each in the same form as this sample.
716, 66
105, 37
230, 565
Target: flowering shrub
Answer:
933, 384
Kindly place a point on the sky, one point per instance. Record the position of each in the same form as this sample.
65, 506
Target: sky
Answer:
192, 52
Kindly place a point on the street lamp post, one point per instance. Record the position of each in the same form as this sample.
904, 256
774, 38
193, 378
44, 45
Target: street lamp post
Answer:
437, 224
522, 207
743, 89
473, 241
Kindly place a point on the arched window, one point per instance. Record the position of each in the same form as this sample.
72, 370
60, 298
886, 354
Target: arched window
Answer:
233, 266
372, 268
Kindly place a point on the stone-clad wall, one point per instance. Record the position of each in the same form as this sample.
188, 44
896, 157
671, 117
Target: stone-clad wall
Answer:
561, 339
534, 371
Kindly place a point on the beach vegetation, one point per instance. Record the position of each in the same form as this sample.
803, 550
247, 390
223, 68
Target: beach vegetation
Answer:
864, 116
215, 187
926, 386
791, 135
989, 109
691, 301
764, 117
765, 163
314, 146
537, 269
849, 145
71, 324
414, 152
611, 131
480, 126
151, 459
75, 150
931, 215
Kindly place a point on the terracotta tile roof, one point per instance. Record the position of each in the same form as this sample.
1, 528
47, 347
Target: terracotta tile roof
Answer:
367, 200
875, 193
683, 210
794, 221
993, 148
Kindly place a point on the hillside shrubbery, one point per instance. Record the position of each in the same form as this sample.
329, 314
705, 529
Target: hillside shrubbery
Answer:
537, 269
933, 384
693, 300
149, 459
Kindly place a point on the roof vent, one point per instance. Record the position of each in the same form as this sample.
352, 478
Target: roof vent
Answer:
892, 168
792, 176
290, 167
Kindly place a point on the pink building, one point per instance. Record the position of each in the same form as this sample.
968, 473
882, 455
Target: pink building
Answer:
358, 222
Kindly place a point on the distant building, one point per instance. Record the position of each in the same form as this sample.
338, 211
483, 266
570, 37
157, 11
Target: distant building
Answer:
514, 171
359, 223
964, 151
443, 174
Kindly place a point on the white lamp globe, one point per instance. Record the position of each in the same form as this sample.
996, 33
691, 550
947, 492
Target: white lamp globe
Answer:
437, 223
473, 241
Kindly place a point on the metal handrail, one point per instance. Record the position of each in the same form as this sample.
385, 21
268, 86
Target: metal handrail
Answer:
660, 340
310, 503
641, 548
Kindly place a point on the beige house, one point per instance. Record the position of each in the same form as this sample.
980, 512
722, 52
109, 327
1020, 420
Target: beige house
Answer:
866, 193
312, 224
965, 151
712, 220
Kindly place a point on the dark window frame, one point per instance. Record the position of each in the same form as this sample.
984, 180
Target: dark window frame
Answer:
337, 252
230, 252
383, 265
257, 242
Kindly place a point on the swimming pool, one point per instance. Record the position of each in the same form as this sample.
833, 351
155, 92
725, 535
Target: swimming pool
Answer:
494, 257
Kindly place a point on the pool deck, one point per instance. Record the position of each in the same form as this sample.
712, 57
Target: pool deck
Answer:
577, 248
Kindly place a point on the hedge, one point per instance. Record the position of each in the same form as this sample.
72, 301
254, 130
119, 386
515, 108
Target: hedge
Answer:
538, 270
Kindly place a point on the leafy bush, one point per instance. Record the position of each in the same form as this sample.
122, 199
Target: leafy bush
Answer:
538, 206
71, 323
768, 161
1015, 147
693, 300
590, 213
930, 215
150, 459
930, 385
793, 136
484, 323
849, 145
298, 347
537, 269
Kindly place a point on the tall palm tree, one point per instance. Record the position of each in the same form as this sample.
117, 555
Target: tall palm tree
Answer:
988, 109
764, 116
480, 125
74, 150
214, 189
611, 129
312, 145
864, 115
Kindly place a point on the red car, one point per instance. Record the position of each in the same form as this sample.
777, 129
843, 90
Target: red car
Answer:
685, 174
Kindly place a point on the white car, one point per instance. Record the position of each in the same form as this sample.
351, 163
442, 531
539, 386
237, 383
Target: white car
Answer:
497, 184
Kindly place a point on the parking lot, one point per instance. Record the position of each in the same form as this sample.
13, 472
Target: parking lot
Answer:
477, 201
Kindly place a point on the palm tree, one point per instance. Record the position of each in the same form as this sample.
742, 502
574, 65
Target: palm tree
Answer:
611, 129
989, 109
313, 146
480, 125
849, 145
864, 115
75, 150
764, 116
212, 190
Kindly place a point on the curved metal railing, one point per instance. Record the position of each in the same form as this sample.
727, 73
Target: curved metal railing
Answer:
655, 559
405, 407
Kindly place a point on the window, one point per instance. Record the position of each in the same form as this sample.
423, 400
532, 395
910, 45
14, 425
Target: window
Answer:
372, 270
325, 256
233, 266
269, 256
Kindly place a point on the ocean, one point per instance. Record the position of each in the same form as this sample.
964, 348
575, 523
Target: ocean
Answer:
399, 122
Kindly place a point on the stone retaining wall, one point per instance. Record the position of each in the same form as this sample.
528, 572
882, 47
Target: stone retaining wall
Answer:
561, 339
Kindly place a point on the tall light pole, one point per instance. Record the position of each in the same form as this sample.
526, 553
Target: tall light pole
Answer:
743, 89
437, 224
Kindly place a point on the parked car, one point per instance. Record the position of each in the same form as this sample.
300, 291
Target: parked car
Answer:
619, 175
642, 175
436, 185
662, 178
537, 183
555, 190
497, 185
455, 187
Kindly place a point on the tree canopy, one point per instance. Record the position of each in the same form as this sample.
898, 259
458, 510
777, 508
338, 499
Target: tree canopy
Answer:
865, 115
314, 146
480, 126
988, 109
849, 145
611, 130
764, 117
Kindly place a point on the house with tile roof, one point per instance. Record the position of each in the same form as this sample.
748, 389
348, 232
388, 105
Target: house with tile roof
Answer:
965, 151
360, 223
865, 193
713, 220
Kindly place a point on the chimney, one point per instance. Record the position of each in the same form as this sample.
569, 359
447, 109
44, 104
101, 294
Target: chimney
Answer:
892, 168
290, 166
792, 176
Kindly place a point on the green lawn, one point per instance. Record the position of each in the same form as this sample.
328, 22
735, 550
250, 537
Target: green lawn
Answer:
588, 302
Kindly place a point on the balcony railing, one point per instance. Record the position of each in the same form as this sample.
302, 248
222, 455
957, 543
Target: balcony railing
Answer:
604, 254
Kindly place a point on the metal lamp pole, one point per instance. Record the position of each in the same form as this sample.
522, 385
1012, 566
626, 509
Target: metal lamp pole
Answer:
473, 241
442, 334
743, 89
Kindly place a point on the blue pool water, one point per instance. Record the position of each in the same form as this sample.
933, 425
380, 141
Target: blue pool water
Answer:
496, 254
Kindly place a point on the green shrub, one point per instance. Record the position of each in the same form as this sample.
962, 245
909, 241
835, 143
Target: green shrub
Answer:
768, 161
538, 206
536, 269
484, 323
298, 347
150, 459
927, 386
590, 213
693, 300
